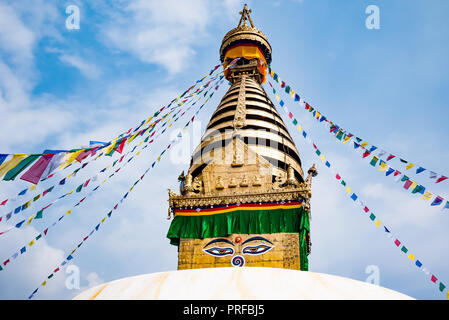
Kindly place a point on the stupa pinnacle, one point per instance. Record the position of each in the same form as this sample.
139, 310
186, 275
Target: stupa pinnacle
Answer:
244, 200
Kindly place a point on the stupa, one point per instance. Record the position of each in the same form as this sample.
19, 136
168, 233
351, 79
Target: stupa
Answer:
241, 218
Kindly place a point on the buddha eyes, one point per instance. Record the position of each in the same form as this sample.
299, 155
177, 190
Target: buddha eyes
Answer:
219, 252
262, 248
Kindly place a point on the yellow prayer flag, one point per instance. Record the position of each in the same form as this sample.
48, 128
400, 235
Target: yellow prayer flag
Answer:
138, 153
427, 195
348, 190
69, 157
383, 166
32, 187
140, 143
322, 158
30, 219
148, 120
31, 243
158, 158
378, 223
8, 165
109, 149
411, 257
413, 185
70, 175
71, 191
102, 220
44, 283
68, 212
409, 166
364, 144
292, 93
277, 97
299, 127
132, 138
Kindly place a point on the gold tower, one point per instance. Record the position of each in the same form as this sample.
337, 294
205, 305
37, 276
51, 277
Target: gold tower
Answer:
244, 200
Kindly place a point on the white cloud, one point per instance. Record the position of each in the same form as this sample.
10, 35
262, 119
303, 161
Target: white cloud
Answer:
15, 37
162, 32
89, 70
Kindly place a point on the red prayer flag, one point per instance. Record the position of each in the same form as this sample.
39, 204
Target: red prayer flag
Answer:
45, 231
34, 173
407, 184
442, 178
366, 154
397, 242
434, 279
4, 202
83, 155
338, 176
120, 147
366, 209
390, 157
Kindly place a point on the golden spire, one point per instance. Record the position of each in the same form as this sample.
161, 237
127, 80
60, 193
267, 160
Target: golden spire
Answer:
245, 15
245, 33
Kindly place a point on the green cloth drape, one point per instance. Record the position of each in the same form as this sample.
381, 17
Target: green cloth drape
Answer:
244, 222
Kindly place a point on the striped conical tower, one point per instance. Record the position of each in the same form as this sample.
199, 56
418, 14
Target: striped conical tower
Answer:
244, 200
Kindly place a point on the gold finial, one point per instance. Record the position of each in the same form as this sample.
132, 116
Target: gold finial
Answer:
245, 15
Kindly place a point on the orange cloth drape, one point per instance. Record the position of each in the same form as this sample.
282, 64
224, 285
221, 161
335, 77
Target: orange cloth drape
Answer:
248, 51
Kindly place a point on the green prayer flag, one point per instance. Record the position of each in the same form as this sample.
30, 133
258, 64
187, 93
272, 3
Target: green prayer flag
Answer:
405, 178
339, 135
79, 188
404, 249
39, 236
417, 189
22, 165
39, 214
374, 161
372, 217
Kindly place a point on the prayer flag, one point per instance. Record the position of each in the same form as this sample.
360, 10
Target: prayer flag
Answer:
442, 178
437, 201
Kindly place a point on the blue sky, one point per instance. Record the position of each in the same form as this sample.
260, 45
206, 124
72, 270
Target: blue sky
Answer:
61, 88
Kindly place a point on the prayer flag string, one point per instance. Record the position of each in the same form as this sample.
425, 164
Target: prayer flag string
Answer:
344, 136
356, 198
109, 214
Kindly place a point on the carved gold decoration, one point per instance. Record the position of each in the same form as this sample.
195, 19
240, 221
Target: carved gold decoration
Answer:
219, 185
240, 111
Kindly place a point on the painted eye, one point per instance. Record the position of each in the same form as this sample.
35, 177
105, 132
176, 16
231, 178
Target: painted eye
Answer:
219, 252
262, 248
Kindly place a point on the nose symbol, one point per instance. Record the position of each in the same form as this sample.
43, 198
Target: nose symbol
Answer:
238, 261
